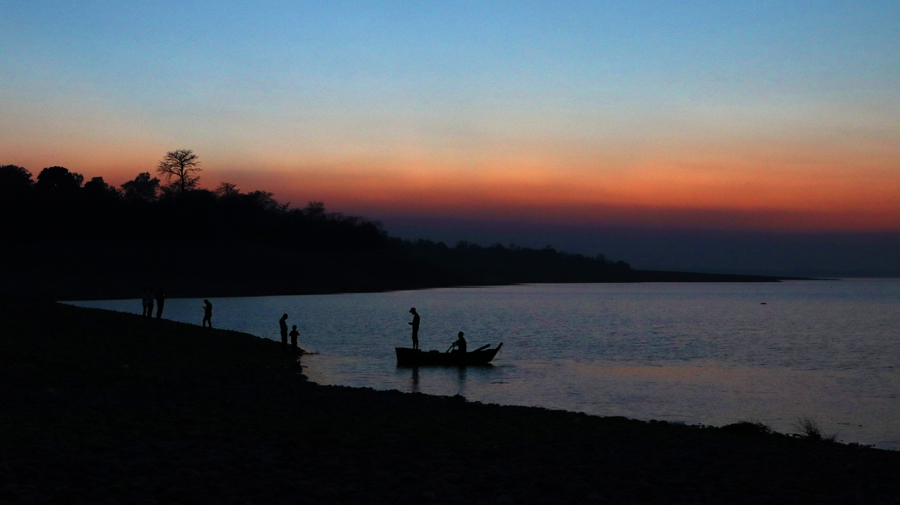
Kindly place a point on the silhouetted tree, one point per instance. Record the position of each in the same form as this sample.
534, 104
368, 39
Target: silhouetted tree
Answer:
58, 179
98, 188
14, 179
17, 205
315, 210
182, 164
56, 208
142, 188
263, 200
227, 189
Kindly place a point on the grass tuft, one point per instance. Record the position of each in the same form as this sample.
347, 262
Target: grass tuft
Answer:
809, 429
748, 427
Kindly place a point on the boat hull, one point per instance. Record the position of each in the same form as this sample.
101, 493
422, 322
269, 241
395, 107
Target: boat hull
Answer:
416, 357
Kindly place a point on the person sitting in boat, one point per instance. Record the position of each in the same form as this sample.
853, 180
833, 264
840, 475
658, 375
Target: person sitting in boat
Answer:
460, 344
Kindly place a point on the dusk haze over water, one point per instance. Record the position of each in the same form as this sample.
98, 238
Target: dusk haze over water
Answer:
765, 135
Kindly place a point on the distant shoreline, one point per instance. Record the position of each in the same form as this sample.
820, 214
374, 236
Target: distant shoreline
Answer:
115, 292
243, 294
92, 270
203, 293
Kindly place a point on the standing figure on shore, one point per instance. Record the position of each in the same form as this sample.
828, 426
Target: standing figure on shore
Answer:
149, 302
415, 328
294, 335
144, 295
160, 300
284, 333
207, 313
460, 344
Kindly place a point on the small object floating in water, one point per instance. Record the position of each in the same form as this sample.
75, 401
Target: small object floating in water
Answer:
416, 357
763, 303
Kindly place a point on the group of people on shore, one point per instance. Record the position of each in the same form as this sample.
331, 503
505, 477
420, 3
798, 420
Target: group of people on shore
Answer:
459, 345
149, 297
147, 300
282, 323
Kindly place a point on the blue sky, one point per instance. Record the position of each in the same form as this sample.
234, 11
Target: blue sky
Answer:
493, 109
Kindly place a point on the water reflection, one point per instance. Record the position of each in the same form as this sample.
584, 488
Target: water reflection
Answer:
467, 381
698, 353
461, 380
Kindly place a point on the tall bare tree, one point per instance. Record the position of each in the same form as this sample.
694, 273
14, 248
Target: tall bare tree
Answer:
182, 164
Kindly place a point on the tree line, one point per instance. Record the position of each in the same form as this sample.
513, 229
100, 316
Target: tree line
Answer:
59, 205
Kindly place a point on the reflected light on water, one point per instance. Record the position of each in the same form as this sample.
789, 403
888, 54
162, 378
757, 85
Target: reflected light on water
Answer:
695, 353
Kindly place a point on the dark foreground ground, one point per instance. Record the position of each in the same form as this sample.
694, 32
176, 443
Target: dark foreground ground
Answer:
102, 407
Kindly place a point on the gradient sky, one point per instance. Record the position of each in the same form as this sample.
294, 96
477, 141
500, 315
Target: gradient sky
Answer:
766, 115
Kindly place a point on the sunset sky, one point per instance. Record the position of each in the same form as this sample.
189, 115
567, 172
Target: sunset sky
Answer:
766, 115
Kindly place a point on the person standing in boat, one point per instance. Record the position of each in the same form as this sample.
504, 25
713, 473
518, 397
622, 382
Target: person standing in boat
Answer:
460, 344
415, 327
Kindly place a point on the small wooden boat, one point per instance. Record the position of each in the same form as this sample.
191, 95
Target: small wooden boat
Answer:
416, 357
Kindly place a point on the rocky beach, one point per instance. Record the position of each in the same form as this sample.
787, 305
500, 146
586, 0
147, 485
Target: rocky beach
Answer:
104, 407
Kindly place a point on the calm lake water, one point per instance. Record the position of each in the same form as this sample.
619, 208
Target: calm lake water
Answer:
711, 354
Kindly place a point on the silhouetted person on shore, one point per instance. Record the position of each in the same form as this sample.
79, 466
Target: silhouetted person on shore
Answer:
294, 335
145, 295
284, 333
149, 302
460, 344
160, 301
207, 313
415, 327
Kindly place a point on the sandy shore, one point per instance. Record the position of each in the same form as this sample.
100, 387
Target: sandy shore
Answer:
102, 407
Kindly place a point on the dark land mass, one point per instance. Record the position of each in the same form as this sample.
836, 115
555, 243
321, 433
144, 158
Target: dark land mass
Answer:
66, 239
105, 407
113, 269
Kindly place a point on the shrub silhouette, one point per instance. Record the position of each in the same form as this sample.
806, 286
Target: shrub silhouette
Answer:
809, 429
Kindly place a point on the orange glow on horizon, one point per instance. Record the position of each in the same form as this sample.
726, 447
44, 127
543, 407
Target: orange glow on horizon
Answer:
786, 187
653, 192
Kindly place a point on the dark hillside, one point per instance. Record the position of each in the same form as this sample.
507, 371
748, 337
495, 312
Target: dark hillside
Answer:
85, 270
68, 240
